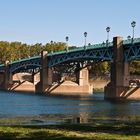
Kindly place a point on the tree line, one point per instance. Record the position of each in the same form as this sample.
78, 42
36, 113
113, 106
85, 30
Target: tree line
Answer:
13, 51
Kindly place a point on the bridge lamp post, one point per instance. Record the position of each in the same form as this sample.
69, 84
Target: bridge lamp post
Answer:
103, 43
85, 35
129, 37
107, 30
89, 44
51, 46
67, 39
133, 24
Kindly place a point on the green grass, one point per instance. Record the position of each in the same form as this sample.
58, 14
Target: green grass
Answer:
115, 130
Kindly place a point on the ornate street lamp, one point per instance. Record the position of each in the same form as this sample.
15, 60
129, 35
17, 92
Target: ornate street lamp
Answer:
128, 37
89, 44
133, 24
67, 39
107, 30
51, 46
103, 43
85, 35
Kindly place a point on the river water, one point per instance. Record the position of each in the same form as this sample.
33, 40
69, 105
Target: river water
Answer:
13, 105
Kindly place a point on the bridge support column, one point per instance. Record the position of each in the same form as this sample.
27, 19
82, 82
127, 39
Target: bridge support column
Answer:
41, 86
83, 78
33, 77
7, 76
50, 76
119, 72
46, 74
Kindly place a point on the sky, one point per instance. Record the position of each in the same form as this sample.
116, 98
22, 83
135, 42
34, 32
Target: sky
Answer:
40, 21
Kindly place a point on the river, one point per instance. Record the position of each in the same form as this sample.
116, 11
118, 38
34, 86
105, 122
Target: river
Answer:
53, 109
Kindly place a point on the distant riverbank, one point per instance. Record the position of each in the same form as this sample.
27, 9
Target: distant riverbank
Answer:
98, 84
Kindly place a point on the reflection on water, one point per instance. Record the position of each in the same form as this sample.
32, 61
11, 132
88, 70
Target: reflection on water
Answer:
52, 109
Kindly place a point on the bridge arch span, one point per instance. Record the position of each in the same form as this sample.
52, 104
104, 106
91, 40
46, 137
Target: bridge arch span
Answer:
23, 68
87, 55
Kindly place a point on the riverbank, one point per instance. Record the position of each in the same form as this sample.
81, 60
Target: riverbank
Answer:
98, 84
121, 129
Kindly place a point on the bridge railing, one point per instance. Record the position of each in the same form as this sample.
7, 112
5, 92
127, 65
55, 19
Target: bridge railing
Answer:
94, 46
25, 59
131, 41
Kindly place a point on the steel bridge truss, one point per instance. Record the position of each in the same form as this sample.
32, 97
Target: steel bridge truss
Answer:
102, 54
132, 52
82, 55
26, 65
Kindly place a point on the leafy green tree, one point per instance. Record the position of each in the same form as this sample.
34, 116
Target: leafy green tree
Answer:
12, 51
135, 67
100, 68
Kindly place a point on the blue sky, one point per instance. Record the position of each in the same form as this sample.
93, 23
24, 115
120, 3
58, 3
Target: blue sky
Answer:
32, 21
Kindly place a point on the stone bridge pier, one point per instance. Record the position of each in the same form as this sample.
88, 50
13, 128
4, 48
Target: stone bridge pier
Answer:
119, 84
6, 77
46, 84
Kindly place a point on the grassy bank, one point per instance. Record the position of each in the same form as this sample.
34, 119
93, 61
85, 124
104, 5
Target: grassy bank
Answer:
115, 130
